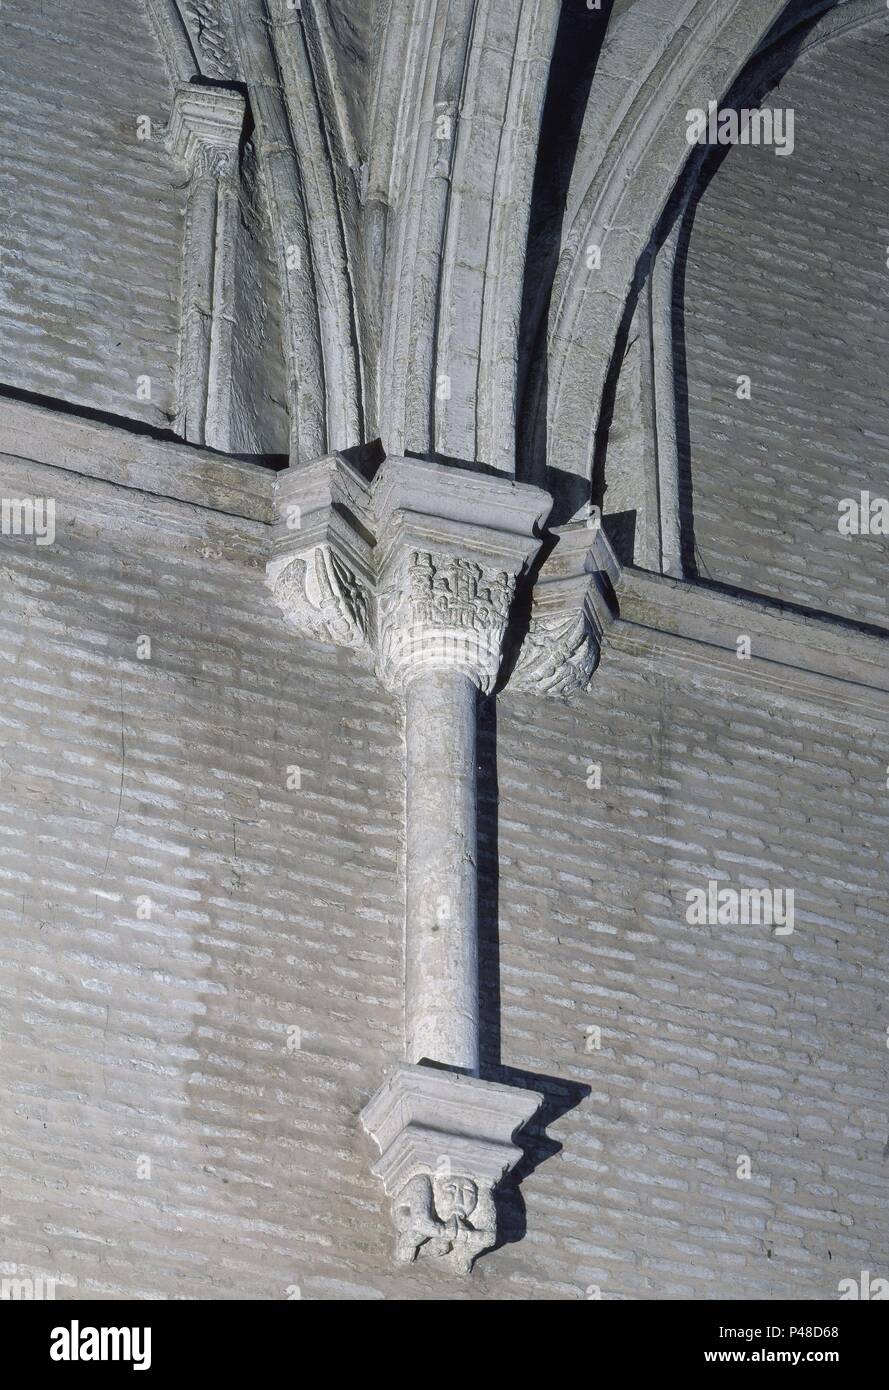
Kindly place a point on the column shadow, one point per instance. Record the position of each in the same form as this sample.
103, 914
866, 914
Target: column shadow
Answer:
576, 51
559, 1096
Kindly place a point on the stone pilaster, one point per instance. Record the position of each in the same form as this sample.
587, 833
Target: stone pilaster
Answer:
204, 135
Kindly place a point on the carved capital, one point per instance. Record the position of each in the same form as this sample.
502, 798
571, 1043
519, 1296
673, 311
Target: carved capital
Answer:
445, 1143
452, 545
561, 648
321, 597
442, 612
321, 569
559, 654
413, 558
205, 129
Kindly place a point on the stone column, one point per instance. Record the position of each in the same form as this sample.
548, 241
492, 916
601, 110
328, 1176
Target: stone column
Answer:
419, 564
451, 553
204, 134
441, 880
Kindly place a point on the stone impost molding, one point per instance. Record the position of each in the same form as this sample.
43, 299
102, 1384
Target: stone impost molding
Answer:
445, 1142
425, 566
205, 128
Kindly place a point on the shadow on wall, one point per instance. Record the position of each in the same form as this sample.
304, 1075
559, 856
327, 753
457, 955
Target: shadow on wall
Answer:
578, 44
558, 1096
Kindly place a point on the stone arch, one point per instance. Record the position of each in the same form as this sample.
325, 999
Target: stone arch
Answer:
641, 124
657, 488
302, 148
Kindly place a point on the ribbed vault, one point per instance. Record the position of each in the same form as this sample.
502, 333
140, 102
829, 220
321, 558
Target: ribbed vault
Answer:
403, 168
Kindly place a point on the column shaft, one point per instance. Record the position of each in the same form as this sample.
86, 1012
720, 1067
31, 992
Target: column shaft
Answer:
441, 921
197, 307
217, 429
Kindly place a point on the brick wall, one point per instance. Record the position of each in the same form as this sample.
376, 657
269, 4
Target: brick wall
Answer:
127, 1037
787, 283
201, 965
92, 224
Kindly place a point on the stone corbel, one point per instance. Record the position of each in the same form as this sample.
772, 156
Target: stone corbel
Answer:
569, 613
445, 1142
323, 568
424, 565
204, 136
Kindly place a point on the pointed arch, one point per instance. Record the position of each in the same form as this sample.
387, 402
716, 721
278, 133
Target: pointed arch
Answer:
702, 48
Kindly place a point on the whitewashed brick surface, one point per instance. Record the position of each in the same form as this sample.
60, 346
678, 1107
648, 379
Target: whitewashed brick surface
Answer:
277, 909
787, 283
91, 220
276, 912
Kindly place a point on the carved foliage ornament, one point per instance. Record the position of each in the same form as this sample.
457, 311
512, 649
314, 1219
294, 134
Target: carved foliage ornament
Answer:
443, 612
559, 654
213, 162
321, 597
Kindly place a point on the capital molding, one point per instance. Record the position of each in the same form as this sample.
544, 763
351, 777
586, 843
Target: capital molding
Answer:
439, 611
452, 547
422, 564
322, 572
569, 613
445, 1142
321, 597
205, 128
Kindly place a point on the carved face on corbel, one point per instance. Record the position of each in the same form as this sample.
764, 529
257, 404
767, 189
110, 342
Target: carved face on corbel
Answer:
445, 1216
454, 1197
